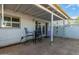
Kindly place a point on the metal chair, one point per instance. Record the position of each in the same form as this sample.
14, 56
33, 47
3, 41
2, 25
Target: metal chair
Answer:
27, 34
38, 36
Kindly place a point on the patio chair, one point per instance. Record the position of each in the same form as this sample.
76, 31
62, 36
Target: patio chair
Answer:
38, 36
27, 34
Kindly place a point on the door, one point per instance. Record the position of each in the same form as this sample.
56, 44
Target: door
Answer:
46, 29
36, 25
37, 29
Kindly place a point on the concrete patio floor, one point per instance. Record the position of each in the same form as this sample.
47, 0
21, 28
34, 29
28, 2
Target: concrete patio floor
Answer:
60, 46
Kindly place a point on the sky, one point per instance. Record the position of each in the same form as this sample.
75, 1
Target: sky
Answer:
71, 9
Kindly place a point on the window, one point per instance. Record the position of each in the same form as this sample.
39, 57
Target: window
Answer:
15, 25
43, 29
15, 22
15, 19
7, 19
11, 22
7, 22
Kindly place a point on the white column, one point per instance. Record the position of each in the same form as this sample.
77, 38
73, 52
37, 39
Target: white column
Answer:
2, 15
52, 29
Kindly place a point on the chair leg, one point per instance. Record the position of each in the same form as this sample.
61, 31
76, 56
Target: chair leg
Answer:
21, 39
34, 40
40, 39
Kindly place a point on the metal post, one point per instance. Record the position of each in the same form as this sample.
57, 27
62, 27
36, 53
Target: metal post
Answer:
52, 29
2, 15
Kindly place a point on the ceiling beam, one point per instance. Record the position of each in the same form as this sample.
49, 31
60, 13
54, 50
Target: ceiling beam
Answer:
40, 6
17, 7
41, 14
46, 16
28, 10
36, 13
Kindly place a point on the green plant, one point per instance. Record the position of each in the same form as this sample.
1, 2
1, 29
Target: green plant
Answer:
77, 20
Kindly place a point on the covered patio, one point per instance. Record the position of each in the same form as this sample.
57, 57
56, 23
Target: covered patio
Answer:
29, 14
16, 17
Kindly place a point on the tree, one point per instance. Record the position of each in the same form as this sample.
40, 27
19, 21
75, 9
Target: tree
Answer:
69, 21
77, 20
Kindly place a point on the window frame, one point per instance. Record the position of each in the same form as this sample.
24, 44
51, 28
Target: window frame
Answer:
11, 21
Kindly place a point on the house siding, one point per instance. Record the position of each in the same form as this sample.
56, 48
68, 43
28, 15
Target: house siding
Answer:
13, 35
67, 30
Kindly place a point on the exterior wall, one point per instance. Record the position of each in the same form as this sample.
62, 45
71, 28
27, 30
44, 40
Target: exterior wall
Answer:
67, 31
72, 32
13, 35
58, 28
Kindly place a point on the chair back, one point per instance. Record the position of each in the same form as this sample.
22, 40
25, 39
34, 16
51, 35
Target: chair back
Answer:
26, 31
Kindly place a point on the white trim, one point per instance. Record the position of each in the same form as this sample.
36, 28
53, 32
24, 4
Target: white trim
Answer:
52, 27
47, 10
38, 5
56, 9
57, 16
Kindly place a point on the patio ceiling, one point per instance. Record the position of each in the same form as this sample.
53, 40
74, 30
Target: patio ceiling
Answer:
53, 10
29, 9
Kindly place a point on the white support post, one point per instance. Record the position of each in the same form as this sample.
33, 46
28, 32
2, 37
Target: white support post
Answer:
2, 15
52, 29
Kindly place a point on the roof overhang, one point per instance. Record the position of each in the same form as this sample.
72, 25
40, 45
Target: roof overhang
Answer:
61, 10
36, 10
30, 9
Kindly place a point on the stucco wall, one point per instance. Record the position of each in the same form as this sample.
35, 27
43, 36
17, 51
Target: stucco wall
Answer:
13, 35
58, 29
67, 31
72, 32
